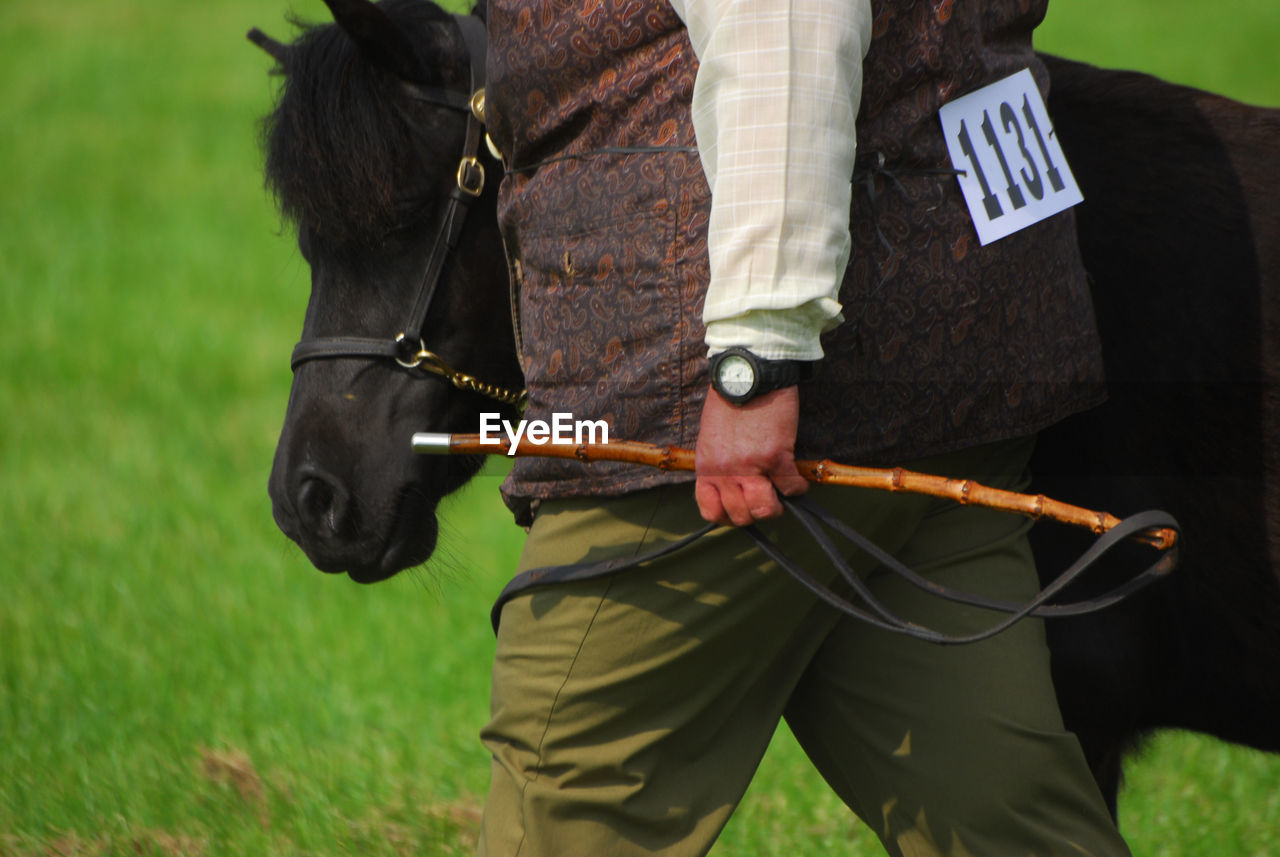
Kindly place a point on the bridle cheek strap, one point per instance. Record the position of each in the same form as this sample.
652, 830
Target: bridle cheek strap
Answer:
468, 184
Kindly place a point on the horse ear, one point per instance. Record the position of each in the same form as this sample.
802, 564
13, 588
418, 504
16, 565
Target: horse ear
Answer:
277, 50
378, 38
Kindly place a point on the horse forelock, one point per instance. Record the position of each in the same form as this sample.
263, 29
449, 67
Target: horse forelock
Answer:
339, 148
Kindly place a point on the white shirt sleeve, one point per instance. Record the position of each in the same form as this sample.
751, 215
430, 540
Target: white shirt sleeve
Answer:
774, 105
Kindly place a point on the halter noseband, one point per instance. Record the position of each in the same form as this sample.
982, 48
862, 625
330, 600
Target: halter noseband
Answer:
408, 348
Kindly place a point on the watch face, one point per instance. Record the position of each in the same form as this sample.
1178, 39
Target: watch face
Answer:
735, 375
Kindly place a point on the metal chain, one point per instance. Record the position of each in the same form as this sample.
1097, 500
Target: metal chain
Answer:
429, 361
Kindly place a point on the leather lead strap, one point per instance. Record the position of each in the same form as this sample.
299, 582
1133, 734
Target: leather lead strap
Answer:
813, 516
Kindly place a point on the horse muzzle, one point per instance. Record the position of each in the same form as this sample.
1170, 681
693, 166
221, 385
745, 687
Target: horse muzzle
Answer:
325, 517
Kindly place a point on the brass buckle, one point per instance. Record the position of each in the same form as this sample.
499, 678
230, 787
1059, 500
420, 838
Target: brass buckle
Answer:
470, 176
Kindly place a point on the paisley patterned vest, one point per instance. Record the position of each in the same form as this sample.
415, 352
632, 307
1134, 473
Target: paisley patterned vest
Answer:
604, 213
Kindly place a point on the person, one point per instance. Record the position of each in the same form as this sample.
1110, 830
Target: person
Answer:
689, 202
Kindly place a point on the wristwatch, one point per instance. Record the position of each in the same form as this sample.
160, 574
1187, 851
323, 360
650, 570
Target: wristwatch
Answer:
739, 376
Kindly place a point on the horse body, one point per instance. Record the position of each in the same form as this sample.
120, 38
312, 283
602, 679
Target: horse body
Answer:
1179, 233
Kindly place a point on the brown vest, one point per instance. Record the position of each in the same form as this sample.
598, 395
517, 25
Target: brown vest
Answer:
945, 344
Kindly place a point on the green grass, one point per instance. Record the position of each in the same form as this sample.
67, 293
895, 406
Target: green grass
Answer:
1229, 48
174, 677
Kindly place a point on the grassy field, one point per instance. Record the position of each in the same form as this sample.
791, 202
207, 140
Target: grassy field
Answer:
174, 677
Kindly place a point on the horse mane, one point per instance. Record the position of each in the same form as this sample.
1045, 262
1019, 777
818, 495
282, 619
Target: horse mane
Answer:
339, 144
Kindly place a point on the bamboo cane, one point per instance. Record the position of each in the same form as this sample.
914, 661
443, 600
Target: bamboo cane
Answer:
825, 472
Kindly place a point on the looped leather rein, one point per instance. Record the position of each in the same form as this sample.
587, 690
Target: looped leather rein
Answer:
813, 517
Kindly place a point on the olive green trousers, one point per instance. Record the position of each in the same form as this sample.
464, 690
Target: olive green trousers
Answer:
630, 712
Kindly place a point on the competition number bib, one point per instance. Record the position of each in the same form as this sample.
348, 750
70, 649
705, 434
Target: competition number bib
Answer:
1011, 169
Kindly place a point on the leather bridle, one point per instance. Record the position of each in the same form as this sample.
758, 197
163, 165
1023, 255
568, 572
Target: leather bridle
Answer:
408, 348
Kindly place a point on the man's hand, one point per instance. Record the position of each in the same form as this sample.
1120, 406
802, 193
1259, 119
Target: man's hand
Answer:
744, 453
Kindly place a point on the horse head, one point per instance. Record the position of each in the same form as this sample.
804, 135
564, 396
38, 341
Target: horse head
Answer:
363, 155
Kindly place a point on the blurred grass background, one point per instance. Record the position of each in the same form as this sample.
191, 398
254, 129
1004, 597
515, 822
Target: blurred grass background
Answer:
174, 677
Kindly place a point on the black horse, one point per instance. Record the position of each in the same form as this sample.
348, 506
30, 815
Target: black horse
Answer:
1180, 232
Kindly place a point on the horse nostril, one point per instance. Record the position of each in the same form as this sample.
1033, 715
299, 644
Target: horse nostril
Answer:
323, 506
